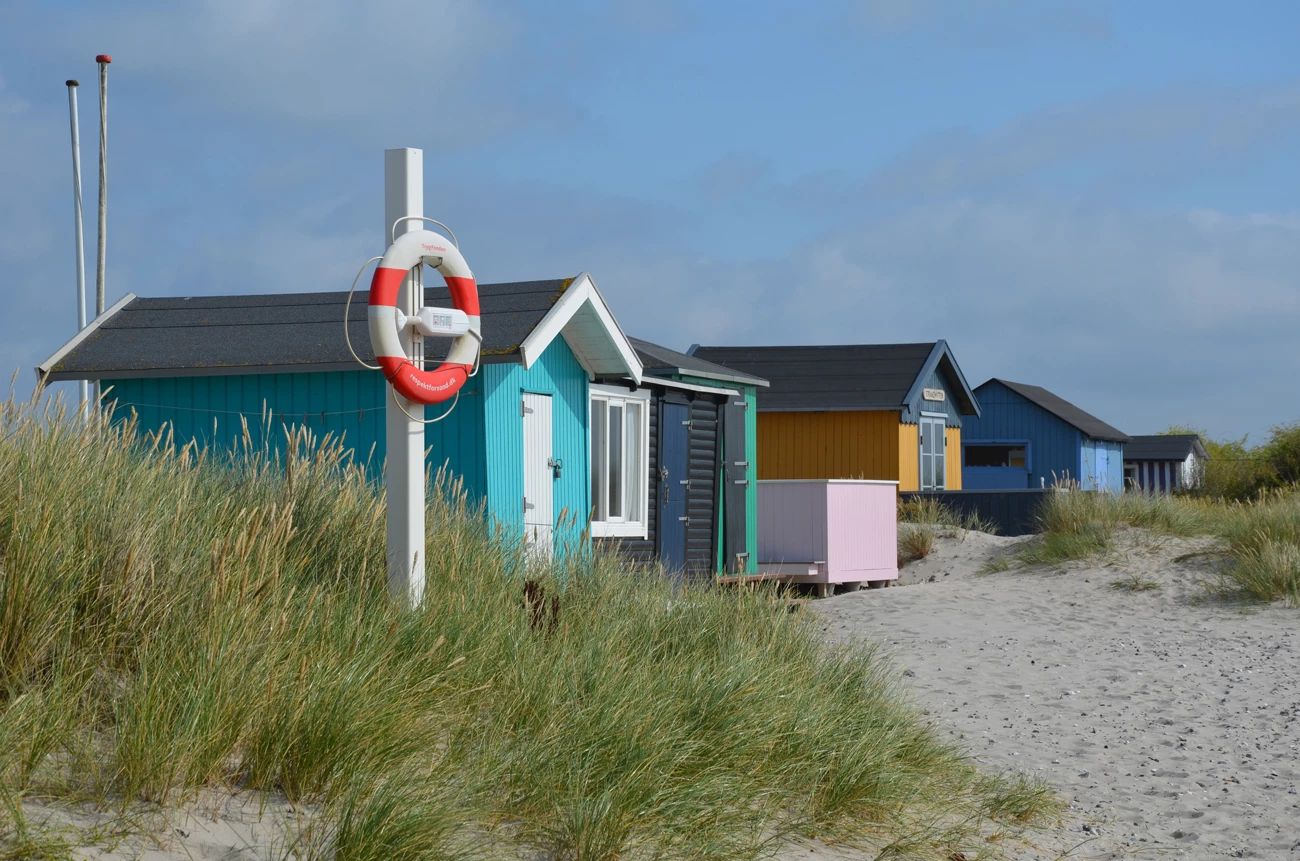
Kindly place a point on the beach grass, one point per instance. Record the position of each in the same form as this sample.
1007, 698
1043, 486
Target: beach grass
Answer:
915, 542
926, 511
174, 621
1260, 537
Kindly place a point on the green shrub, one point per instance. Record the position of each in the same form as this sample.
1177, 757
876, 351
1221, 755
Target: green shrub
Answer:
1238, 472
1282, 454
172, 620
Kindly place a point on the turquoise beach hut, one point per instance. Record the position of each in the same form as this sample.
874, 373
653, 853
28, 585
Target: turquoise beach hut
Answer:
210, 364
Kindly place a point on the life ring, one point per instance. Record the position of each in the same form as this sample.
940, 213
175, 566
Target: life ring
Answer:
416, 385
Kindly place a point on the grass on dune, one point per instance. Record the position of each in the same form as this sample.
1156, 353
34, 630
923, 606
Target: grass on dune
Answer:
1261, 537
929, 512
172, 620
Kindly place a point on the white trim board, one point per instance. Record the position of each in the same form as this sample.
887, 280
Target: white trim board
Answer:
44, 368
582, 298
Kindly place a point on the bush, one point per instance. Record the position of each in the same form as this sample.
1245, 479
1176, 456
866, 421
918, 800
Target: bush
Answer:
1237, 472
171, 619
1282, 454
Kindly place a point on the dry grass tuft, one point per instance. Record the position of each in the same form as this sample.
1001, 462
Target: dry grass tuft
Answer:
915, 542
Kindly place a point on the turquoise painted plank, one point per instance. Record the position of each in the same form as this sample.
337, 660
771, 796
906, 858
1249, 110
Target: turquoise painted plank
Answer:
557, 373
354, 407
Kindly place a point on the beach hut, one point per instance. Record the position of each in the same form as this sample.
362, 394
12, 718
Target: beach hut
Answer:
1163, 463
694, 502
886, 412
518, 437
1028, 437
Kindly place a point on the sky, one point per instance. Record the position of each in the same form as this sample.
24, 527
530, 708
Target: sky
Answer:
1099, 198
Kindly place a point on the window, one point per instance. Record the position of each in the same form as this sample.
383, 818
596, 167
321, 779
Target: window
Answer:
620, 465
996, 455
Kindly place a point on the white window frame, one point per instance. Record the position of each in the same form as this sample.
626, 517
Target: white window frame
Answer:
635, 484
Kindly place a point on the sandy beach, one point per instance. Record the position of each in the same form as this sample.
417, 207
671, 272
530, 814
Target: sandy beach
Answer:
1168, 721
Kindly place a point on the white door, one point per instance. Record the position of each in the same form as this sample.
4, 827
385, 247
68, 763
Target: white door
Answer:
539, 475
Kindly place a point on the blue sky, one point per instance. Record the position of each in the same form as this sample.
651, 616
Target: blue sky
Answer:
1099, 198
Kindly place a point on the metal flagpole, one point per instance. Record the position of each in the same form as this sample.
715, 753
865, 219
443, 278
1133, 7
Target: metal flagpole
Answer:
103, 60
404, 435
80, 237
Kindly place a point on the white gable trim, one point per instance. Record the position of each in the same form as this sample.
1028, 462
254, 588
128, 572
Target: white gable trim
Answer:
44, 368
621, 359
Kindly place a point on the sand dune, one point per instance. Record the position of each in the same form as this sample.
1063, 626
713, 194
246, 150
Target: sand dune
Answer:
1168, 721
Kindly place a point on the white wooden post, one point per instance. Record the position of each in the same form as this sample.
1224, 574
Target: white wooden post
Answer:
404, 473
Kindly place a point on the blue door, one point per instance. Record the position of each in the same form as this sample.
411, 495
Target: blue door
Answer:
674, 475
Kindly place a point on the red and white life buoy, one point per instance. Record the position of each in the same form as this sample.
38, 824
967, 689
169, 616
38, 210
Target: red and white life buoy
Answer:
416, 385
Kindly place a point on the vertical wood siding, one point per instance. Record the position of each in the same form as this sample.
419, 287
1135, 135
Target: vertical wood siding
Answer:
558, 374
909, 457
1055, 447
702, 498
861, 532
751, 452
937, 379
832, 444
346, 404
952, 458
1114, 478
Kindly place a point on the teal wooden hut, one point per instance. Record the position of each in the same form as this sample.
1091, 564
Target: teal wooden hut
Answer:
211, 364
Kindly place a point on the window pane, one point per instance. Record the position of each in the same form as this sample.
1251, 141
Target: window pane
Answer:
636, 467
927, 472
598, 464
940, 480
615, 461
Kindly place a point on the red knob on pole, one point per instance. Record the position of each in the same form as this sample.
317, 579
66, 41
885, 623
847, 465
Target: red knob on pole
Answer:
103, 58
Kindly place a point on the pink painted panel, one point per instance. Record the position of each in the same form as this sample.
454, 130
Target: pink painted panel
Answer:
862, 531
791, 521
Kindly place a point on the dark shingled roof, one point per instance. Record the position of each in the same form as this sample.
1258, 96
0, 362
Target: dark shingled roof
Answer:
1165, 446
279, 332
846, 377
656, 359
1067, 412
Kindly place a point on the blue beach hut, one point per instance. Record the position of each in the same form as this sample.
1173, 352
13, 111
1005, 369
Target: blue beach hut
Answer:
1027, 437
208, 364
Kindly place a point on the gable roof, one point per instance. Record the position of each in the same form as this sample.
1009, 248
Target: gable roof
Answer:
661, 361
1164, 446
844, 377
288, 332
1088, 424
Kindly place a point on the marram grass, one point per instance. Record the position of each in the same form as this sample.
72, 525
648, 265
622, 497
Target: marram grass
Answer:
1260, 537
173, 620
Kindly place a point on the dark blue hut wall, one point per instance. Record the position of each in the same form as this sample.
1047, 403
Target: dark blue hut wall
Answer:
1054, 446
346, 404
938, 379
